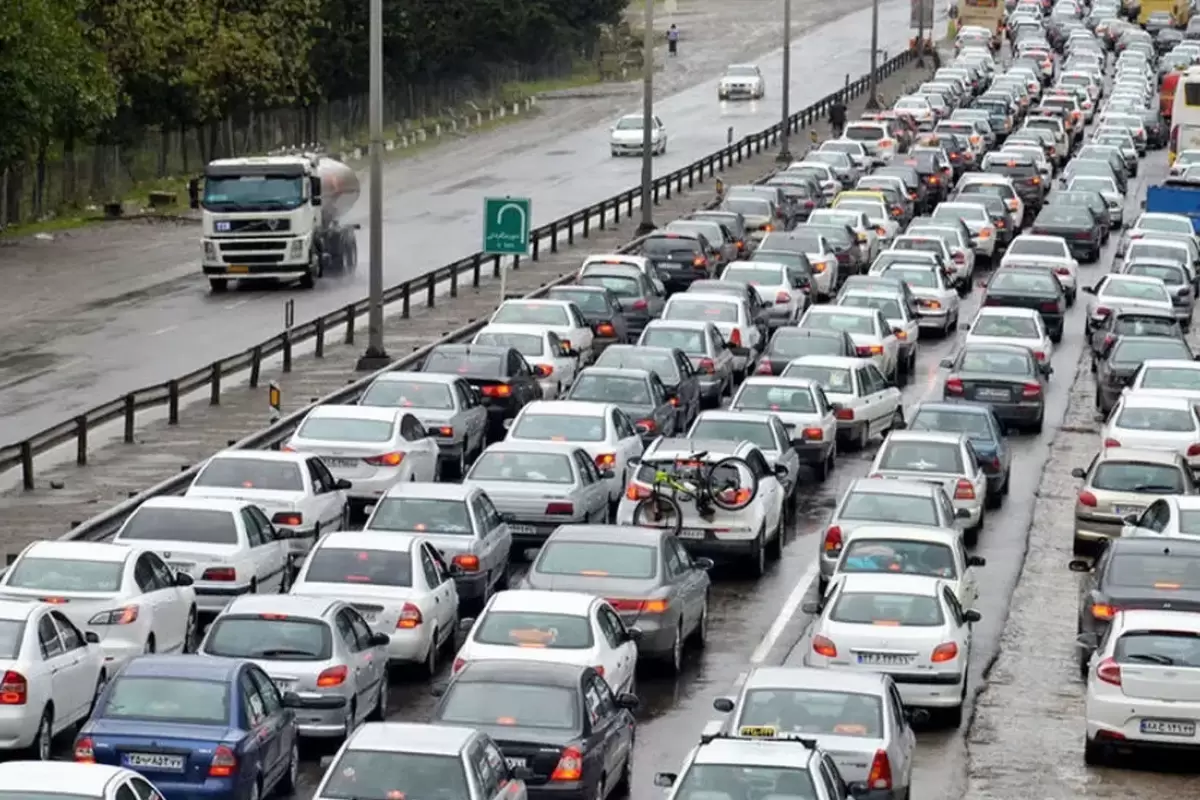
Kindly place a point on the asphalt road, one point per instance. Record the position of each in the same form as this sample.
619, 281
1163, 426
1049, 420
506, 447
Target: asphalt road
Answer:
56, 363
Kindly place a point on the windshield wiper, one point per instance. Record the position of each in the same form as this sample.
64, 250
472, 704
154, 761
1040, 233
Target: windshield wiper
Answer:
282, 651
1151, 658
1155, 487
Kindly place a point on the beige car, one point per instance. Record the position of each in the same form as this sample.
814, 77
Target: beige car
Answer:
1118, 484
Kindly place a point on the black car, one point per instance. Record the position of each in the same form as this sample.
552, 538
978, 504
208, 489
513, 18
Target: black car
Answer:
1076, 225
1157, 130
674, 369
601, 309
1029, 288
935, 171
560, 724
792, 343
639, 298
1132, 322
1174, 276
680, 258
1093, 201
1004, 376
1117, 367
1023, 171
1135, 573
998, 213
503, 377
640, 393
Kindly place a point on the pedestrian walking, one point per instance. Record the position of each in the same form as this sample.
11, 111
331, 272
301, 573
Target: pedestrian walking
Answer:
673, 40
837, 116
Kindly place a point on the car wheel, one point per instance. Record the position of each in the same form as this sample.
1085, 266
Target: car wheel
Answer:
897, 423
700, 635
191, 636
431, 658
674, 660
1007, 483
379, 713
43, 741
774, 547
287, 783
1094, 753
864, 437
758, 556
821, 471
625, 782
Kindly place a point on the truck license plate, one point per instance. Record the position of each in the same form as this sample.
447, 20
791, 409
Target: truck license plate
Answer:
239, 268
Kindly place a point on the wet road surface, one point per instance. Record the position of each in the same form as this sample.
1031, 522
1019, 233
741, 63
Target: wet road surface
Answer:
66, 351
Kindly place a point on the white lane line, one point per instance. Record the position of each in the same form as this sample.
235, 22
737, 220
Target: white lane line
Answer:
161, 331
230, 306
790, 606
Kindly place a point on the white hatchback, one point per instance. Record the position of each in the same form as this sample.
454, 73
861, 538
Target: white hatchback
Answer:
1150, 421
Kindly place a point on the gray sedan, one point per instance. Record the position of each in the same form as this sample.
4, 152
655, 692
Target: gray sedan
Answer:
541, 485
766, 431
646, 574
318, 647
638, 392
704, 346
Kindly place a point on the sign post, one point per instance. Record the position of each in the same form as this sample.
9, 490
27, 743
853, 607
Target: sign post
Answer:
507, 222
274, 401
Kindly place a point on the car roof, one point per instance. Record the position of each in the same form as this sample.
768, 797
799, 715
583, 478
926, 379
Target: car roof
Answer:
1006, 311
276, 456
827, 310
540, 301
760, 417
380, 413
575, 604
855, 582
836, 362
899, 487
538, 673
432, 491
285, 604
980, 409
819, 679
680, 324
1158, 620
1138, 454
811, 333
1148, 398
188, 667
393, 541
524, 446
608, 534
193, 503
527, 328
413, 377
411, 737
943, 437
35, 777
1173, 363
1154, 545
574, 408
917, 533
781, 382
671, 447
78, 551
746, 752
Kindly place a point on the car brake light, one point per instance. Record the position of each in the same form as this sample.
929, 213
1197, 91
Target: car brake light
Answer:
764, 367
783, 298
636, 492
1030, 390
458, 665
963, 490
1109, 671
954, 386
1062, 271
570, 766
647, 606
334, 676
289, 519
606, 461
640, 305
1039, 355
823, 646
224, 762
813, 434
410, 617
735, 338
14, 689
1103, 611
117, 616
707, 366
833, 539
466, 562
560, 508
605, 329
946, 651
700, 262
85, 750
880, 776
863, 351
219, 574
1194, 450
497, 390
844, 414
385, 460
1102, 311
959, 258
1111, 442
1087, 499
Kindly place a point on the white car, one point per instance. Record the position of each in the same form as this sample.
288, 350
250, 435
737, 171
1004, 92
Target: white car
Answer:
905, 325
296, 491
902, 625
1000, 184
823, 173
1168, 376
886, 228
855, 150
731, 316
871, 333
804, 410
371, 447
783, 288
959, 252
398, 582
1120, 292
874, 136
975, 217
741, 81
1173, 517
919, 109
1155, 246
228, 547
555, 364
1009, 325
854, 219
626, 137
1139, 683
816, 248
937, 301
562, 627
561, 316
912, 550
1183, 160
608, 435
944, 458
83, 781
127, 596
1150, 421
864, 402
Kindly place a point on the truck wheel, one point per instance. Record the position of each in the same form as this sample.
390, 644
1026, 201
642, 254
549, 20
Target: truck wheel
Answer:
314, 271
218, 285
350, 251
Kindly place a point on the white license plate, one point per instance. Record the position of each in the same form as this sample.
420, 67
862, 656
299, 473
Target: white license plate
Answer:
178, 567
516, 763
693, 533
159, 761
341, 463
521, 528
884, 659
1122, 511
369, 616
992, 394
1169, 727
283, 686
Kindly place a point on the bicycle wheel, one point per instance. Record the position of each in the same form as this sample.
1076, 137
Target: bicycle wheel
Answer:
659, 511
731, 495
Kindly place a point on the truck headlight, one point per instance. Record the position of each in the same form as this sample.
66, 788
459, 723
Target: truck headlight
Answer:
297, 250
210, 251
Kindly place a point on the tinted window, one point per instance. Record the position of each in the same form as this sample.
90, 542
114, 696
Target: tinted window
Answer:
762, 397
1161, 648
1132, 351
800, 712
1024, 282
675, 249
269, 636
689, 341
389, 775
701, 311
898, 555
511, 705
1174, 420
874, 608
897, 508
560, 427
621, 287
587, 301
976, 426
598, 559
346, 429
768, 276
534, 629
1133, 476
465, 363
888, 307
421, 515
850, 323
796, 346
363, 567
167, 700
527, 344
740, 781
732, 430
922, 457
920, 278
610, 389
1165, 572
407, 394
65, 575
531, 467
636, 358
181, 525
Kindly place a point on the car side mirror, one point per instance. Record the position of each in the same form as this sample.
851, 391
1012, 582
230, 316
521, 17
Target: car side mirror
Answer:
665, 780
947, 363
633, 634
1087, 641
291, 700
703, 563
1079, 472
962, 513
627, 701
634, 459
380, 640
659, 286
91, 637
1088, 290
837, 406
781, 471
976, 561
465, 624
972, 615
811, 607
723, 704
1196, 357
507, 423
343, 484
1079, 565
917, 716
183, 579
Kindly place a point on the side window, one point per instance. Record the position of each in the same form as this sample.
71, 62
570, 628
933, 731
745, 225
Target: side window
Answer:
252, 702
591, 699
492, 518
142, 789
495, 760
585, 477
326, 476
611, 634
162, 573
657, 389
48, 639
876, 378
833, 791
781, 435
625, 427
362, 631
318, 480
439, 564
759, 464
718, 343
686, 370
956, 609
675, 565
1154, 518
143, 573
680, 552
862, 386
897, 707
264, 524
475, 763
71, 637
489, 777
124, 792
253, 532
412, 430
822, 400
465, 399
608, 702
836, 784
431, 575
267, 690
345, 629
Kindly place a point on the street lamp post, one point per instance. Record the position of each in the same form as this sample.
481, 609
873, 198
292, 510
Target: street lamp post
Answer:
785, 134
376, 356
873, 96
647, 223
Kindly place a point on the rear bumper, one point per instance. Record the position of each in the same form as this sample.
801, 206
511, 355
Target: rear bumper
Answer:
213, 599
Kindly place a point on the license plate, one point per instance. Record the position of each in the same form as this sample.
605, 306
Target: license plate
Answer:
237, 268
521, 528
1169, 727
991, 394
175, 565
1122, 511
283, 686
341, 463
369, 616
516, 763
884, 659
693, 533
158, 761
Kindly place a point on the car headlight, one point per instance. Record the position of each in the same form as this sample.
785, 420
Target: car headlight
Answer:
297, 249
210, 251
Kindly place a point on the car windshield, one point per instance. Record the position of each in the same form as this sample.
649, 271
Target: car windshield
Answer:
1161, 648
1133, 352
691, 342
732, 430
995, 362
741, 72
535, 629
597, 560
1101, 185
523, 468
765, 397
729, 781
181, 525
65, 575
409, 394
268, 636
887, 609
1160, 571
907, 556
359, 567
835, 380
1169, 274
1136, 476
1165, 224
919, 456
833, 321
421, 514
755, 275
902, 509
391, 774
1050, 246
630, 123
251, 473
465, 363
887, 306
1143, 418
916, 278
700, 310
802, 712
168, 700
1171, 378
611, 389
532, 314
346, 429
1004, 326
1153, 250
977, 426
527, 344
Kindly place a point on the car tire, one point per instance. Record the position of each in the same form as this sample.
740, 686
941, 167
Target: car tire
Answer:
1094, 753
673, 658
191, 637
1007, 482
430, 666
822, 471
42, 746
700, 635
379, 712
774, 546
994, 499
757, 562
290, 778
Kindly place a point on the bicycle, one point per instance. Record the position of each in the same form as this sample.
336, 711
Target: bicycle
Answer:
710, 487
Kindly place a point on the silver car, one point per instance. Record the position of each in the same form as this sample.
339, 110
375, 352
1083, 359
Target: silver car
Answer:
767, 431
317, 647
896, 502
450, 408
858, 719
646, 574
459, 520
704, 346
541, 485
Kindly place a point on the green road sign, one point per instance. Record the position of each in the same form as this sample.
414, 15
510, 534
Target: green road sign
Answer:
506, 225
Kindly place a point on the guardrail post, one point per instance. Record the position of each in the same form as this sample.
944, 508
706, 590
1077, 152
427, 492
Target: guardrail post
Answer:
476, 268
571, 230
27, 464
130, 409
657, 186
495, 266
603, 215
172, 402
319, 334
535, 242
692, 174
255, 365
430, 293
629, 204
406, 297
616, 210
587, 223
554, 236
667, 186
516, 263
214, 398
287, 351
350, 324
81, 437
454, 281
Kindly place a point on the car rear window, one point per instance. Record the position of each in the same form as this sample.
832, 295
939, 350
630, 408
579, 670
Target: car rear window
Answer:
887, 609
1024, 281
527, 344
1022, 246
465, 363
917, 456
755, 276
903, 556
532, 314
407, 394
886, 507
996, 362
598, 560
523, 468
1004, 326
920, 278
1160, 648
836, 380
346, 429
181, 525
976, 426
611, 389
520, 705
621, 287
689, 341
535, 629
670, 249
1134, 352
391, 774
1150, 250
174, 700
833, 321
1137, 476
731, 430
810, 712
560, 428
359, 567
796, 346
587, 301
1140, 418
1161, 571
251, 473
764, 397
272, 637
638, 358
1170, 378
420, 514
700, 311
66, 576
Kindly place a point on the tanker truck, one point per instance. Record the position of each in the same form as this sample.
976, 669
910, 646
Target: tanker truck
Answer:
276, 218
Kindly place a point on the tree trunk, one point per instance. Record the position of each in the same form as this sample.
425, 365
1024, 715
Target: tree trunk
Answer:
70, 172
164, 148
39, 189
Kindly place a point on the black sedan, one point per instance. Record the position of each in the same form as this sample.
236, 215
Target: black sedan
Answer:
1004, 376
601, 309
1151, 573
638, 392
1117, 367
640, 299
852, 258
1076, 225
1023, 287
1094, 201
671, 365
560, 724
792, 343
501, 374
1132, 322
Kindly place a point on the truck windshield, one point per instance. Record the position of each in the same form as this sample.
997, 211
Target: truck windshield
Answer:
253, 193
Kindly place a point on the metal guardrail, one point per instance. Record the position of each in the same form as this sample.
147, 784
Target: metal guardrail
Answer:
168, 393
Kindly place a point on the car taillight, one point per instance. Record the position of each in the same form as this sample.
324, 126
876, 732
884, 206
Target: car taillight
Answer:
1062, 271
959, 258
410, 617
1039, 355
385, 460
783, 298
863, 351
1087, 499
700, 262
1102, 311
1109, 671
85, 751
764, 368
646, 426
1085, 235
640, 606
1000, 224
954, 386
466, 562
497, 390
809, 204
1194, 450
946, 651
964, 490
639, 305
1031, 390
1111, 442
599, 670
707, 366
605, 329
1051, 308
14, 690
636, 491
735, 338
569, 767
288, 519
844, 414
219, 574
833, 539
117, 616
457, 666
1103, 611
843, 258
224, 762
813, 434
606, 461
823, 646
880, 776
334, 676
553, 509
934, 180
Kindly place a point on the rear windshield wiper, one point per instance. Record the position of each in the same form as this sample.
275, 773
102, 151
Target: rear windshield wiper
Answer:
1151, 658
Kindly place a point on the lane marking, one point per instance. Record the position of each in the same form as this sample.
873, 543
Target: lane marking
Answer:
786, 612
231, 306
161, 331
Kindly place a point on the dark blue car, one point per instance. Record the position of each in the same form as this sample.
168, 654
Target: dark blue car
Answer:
198, 728
985, 432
